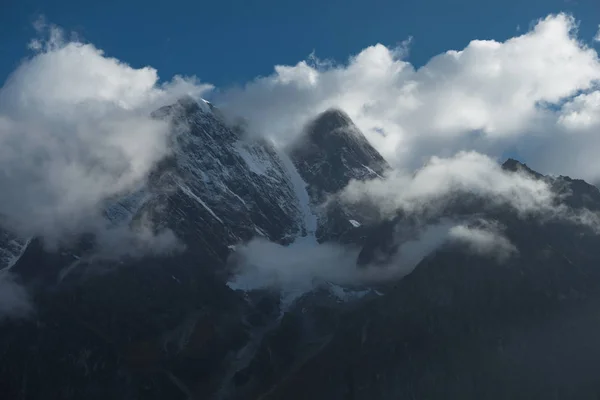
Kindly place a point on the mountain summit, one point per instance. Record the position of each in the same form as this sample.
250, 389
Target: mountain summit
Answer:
333, 151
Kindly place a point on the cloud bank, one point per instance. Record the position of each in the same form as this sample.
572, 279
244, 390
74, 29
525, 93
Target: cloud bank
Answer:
75, 130
301, 266
441, 180
443, 127
535, 95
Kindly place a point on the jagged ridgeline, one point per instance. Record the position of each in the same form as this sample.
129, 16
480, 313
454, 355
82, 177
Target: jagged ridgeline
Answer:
166, 324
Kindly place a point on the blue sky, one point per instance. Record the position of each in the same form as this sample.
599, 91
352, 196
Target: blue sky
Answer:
230, 42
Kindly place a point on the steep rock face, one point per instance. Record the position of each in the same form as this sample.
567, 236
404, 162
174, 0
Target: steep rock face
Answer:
233, 189
330, 154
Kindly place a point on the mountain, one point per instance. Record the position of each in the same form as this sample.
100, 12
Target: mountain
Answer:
330, 154
170, 324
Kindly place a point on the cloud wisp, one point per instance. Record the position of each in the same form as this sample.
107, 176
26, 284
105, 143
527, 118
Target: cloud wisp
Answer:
484, 239
302, 266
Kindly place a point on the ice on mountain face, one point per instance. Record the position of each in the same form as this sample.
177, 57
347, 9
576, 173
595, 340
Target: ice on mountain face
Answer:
205, 105
309, 218
354, 223
252, 160
372, 172
187, 191
329, 155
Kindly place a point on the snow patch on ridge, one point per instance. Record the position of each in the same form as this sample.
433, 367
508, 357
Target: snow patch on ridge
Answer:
354, 223
256, 279
191, 194
252, 161
299, 186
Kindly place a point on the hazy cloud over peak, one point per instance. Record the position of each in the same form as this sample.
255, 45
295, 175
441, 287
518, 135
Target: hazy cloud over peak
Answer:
485, 238
429, 189
75, 129
530, 94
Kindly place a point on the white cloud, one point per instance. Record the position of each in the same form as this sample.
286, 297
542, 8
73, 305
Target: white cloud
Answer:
75, 130
302, 266
490, 97
297, 267
441, 180
486, 239
597, 37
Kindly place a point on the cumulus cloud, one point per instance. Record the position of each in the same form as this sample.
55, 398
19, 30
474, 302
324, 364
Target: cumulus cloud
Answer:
533, 94
75, 130
14, 299
597, 37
